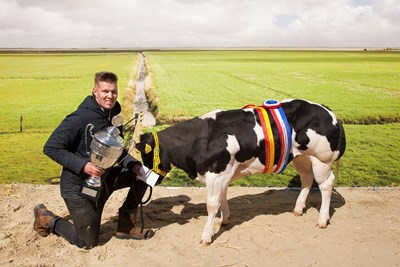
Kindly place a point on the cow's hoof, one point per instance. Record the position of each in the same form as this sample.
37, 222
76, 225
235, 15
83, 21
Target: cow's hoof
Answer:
204, 243
320, 226
297, 214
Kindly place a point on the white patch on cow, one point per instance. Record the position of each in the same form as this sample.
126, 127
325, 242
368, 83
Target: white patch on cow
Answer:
319, 147
211, 114
248, 167
334, 119
233, 145
257, 128
295, 145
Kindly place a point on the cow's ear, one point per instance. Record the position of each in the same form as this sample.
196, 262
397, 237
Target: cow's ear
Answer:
144, 146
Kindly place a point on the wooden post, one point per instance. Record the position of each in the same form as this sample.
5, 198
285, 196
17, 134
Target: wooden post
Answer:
137, 131
20, 123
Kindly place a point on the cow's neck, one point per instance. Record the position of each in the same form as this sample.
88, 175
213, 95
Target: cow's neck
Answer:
176, 144
169, 158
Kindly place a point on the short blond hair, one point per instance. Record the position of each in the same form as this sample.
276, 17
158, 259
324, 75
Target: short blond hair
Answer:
105, 76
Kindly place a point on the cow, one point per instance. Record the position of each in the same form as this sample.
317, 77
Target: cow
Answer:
225, 145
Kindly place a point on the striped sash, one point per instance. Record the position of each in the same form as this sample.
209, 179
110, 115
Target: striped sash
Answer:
285, 135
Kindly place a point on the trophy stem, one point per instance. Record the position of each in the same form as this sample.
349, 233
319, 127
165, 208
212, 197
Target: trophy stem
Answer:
93, 181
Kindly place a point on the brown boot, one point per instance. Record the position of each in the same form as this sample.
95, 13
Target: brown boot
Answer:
126, 226
44, 220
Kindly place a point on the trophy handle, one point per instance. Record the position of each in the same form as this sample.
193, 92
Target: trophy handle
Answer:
90, 127
132, 145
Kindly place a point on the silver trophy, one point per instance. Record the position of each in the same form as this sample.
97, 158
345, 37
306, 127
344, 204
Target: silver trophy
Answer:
105, 149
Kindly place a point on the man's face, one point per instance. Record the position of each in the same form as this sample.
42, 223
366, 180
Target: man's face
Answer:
106, 94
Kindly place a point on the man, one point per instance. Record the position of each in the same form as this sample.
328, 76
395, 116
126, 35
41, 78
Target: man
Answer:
67, 146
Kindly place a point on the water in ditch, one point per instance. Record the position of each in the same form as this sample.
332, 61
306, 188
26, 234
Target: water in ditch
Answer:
141, 104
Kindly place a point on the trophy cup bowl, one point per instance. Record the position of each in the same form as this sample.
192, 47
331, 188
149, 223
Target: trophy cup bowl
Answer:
105, 149
104, 152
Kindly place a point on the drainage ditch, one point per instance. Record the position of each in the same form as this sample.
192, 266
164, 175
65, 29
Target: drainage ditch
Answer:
141, 104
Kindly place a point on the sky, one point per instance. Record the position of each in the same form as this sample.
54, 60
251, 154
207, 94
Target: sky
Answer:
199, 23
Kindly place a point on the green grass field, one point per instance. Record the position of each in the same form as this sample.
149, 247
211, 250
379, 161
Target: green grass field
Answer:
360, 87
43, 89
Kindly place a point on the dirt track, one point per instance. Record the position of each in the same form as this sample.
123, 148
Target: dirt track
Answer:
364, 230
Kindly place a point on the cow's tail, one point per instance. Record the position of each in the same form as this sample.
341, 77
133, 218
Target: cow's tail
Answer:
342, 141
337, 165
341, 147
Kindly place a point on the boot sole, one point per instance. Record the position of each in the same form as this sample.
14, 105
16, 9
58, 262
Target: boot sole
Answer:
149, 234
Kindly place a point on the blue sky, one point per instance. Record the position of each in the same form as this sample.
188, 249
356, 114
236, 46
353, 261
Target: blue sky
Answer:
199, 23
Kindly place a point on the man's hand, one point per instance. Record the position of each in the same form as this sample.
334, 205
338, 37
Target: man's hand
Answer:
93, 170
137, 168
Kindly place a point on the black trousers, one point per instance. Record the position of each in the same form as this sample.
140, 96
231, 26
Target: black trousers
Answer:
86, 214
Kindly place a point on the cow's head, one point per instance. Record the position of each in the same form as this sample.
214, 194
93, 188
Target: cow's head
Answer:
152, 154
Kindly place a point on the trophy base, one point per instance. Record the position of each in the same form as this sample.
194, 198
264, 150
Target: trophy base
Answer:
92, 193
93, 182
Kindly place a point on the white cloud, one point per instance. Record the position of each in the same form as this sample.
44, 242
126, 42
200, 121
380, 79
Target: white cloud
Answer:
174, 23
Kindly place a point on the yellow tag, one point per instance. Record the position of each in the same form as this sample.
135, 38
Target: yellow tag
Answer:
147, 148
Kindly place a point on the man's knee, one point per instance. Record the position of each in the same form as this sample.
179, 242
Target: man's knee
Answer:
87, 239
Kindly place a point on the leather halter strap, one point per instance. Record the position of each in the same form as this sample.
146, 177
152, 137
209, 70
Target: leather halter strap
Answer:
156, 157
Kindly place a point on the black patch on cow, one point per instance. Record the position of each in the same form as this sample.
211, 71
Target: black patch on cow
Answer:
303, 115
186, 143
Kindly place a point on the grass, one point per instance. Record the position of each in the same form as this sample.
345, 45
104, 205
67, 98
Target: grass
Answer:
372, 156
360, 87
43, 89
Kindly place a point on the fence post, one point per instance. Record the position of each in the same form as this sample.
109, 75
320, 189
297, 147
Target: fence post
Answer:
20, 123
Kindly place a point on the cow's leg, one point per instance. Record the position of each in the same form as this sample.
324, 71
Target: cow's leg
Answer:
225, 213
325, 178
303, 166
215, 188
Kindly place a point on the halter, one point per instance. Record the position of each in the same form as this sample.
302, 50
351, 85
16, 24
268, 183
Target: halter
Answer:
156, 157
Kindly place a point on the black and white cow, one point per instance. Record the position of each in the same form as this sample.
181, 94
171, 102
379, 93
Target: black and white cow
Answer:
223, 146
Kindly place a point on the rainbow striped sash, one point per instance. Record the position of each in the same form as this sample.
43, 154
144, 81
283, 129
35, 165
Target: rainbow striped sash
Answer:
285, 135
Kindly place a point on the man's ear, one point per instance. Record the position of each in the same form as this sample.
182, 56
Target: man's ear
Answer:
94, 93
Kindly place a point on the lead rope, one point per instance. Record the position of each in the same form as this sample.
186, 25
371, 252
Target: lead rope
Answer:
141, 203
